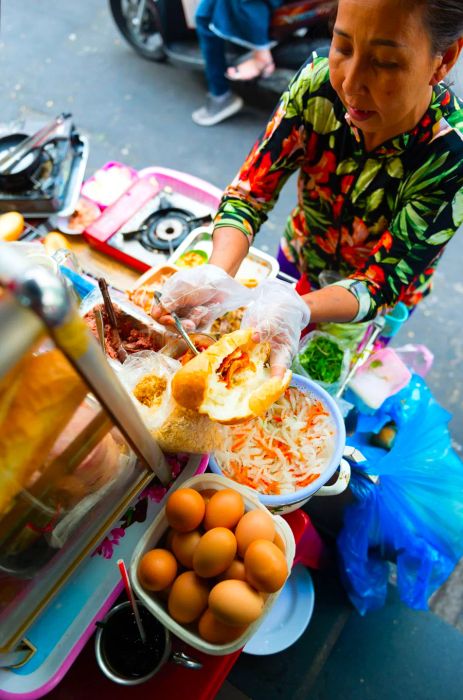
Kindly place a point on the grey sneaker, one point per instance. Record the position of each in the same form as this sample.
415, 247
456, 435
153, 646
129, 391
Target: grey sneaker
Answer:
215, 111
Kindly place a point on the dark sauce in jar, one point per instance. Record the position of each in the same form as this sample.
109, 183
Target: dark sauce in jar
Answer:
123, 649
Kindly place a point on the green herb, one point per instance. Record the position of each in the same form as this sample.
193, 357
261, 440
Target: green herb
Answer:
322, 360
375, 364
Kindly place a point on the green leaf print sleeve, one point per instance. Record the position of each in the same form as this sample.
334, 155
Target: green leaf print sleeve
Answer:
275, 156
406, 252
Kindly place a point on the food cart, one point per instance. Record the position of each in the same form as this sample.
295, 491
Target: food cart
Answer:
60, 531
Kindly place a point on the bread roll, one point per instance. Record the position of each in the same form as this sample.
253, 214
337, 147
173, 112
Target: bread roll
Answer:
230, 381
33, 411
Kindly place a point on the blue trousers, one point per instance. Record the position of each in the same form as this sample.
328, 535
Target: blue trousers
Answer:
213, 51
244, 22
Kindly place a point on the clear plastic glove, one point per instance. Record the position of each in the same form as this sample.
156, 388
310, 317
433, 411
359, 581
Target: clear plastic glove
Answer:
278, 314
199, 295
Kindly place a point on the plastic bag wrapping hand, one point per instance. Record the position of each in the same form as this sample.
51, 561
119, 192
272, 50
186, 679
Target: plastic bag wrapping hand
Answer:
277, 314
414, 514
199, 295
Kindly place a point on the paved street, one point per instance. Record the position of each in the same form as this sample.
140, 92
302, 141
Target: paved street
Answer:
68, 56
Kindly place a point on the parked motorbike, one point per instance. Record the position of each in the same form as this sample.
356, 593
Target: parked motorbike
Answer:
162, 30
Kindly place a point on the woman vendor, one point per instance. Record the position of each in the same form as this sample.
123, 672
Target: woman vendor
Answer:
377, 138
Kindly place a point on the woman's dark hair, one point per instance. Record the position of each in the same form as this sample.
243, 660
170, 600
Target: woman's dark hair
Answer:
444, 21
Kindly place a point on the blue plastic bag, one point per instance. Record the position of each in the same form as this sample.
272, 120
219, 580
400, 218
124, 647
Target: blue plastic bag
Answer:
413, 514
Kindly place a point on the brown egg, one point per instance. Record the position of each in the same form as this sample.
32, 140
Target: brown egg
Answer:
157, 569
265, 566
184, 545
188, 597
235, 570
224, 509
168, 537
207, 494
165, 593
214, 552
185, 510
280, 543
235, 603
254, 525
215, 632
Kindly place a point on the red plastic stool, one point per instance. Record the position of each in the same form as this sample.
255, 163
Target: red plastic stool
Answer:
310, 548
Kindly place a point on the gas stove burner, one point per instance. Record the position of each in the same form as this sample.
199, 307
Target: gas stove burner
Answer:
166, 228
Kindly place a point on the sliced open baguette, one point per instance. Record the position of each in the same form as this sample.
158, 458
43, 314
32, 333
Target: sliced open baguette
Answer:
230, 381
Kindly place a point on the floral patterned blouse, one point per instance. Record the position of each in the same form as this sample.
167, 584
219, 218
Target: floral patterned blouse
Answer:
381, 218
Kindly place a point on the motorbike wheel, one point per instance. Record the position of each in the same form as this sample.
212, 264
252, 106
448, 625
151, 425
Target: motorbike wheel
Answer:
142, 33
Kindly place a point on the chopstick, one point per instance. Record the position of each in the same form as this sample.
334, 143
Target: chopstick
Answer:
100, 328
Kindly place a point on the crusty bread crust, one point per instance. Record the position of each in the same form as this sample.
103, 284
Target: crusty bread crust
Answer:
269, 392
46, 396
197, 386
189, 384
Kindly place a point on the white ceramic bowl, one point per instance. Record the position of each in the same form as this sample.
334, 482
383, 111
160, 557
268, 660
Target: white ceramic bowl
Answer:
285, 503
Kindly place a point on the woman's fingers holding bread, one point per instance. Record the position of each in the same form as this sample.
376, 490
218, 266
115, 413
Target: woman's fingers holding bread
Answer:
278, 315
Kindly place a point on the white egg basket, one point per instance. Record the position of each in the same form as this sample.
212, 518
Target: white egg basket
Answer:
154, 535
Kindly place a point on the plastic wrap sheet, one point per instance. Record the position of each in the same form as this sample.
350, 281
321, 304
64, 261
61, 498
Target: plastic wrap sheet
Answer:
147, 375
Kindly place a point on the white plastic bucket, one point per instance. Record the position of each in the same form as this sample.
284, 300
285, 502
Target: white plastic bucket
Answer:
153, 536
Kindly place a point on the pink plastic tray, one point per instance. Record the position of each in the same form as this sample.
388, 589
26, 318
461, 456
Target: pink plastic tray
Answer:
111, 198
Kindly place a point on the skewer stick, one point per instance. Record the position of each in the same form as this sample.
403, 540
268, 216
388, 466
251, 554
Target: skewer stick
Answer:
131, 597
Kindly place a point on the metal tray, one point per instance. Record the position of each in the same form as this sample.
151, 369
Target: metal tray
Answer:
256, 266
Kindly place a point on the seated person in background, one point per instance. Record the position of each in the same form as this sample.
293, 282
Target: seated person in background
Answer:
243, 22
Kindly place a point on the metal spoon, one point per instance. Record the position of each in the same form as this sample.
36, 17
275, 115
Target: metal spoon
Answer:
178, 325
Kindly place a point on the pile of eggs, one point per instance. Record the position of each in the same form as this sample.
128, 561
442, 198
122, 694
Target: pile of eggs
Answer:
218, 563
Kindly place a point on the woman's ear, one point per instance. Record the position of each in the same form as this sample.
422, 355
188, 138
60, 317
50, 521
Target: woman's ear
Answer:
447, 61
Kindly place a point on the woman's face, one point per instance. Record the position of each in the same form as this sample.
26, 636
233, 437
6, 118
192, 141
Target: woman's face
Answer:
382, 66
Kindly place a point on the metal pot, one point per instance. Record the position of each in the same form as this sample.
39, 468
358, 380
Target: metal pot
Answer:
20, 175
167, 655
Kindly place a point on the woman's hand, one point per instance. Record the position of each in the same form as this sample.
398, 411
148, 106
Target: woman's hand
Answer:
277, 314
198, 296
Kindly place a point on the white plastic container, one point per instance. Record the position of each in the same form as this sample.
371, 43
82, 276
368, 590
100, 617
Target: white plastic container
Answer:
381, 376
156, 532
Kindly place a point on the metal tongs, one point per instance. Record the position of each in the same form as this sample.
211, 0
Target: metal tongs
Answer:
363, 352
17, 153
178, 325
119, 347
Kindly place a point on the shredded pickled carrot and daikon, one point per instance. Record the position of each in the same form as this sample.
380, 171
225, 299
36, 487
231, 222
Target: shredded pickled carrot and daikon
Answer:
282, 451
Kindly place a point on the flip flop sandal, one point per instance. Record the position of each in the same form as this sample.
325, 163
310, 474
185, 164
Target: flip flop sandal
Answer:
265, 72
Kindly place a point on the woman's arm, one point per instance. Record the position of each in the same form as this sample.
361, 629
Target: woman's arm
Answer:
278, 153
331, 304
230, 247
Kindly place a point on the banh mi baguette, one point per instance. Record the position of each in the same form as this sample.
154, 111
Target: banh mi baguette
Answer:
230, 381
46, 395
